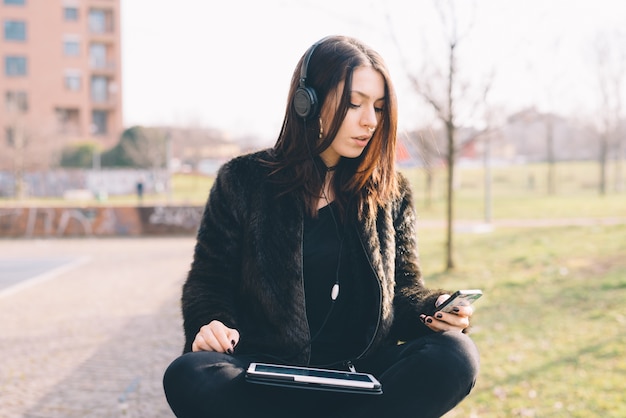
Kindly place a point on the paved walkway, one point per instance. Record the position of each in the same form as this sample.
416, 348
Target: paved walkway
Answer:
93, 338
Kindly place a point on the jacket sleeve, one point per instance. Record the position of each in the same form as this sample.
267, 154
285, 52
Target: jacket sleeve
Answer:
411, 297
208, 292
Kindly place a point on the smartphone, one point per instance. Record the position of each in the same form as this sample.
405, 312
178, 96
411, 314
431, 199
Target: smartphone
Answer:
460, 298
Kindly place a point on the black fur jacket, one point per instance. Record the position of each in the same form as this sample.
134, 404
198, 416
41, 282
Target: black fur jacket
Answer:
247, 266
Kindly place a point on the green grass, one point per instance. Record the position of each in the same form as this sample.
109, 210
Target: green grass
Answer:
551, 327
576, 193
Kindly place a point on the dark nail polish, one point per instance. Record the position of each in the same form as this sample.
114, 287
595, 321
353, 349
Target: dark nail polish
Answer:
233, 343
456, 309
429, 320
439, 315
229, 351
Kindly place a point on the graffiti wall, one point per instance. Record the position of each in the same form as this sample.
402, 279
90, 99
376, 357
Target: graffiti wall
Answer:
99, 221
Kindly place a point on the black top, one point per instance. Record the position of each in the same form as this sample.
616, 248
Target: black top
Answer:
329, 258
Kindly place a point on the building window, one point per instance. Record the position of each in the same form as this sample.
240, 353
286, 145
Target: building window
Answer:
98, 55
70, 13
15, 66
100, 21
68, 120
16, 2
72, 80
99, 89
16, 101
10, 136
71, 48
99, 122
14, 30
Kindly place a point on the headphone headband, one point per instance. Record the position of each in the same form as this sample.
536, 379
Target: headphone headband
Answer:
305, 63
305, 98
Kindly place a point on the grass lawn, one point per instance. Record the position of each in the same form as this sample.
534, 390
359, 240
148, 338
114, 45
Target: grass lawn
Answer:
551, 326
514, 196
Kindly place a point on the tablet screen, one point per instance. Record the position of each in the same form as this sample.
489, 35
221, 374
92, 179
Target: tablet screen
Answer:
329, 374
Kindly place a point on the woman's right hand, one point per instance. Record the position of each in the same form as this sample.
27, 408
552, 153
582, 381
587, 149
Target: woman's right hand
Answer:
217, 337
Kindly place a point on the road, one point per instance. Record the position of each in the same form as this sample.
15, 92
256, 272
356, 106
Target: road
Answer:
91, 332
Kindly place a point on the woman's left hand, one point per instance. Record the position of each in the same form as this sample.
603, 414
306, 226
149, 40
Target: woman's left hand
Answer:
443, 321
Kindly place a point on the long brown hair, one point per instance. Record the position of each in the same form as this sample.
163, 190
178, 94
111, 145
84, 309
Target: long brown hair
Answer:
369, 179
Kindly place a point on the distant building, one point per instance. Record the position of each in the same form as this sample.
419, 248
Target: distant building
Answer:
60, 80
201, 150
537, 135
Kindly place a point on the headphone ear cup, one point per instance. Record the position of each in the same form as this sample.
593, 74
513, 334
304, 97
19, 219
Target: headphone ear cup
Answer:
305, 102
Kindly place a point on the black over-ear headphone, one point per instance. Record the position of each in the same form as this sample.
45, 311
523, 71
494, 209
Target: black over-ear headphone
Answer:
305, 99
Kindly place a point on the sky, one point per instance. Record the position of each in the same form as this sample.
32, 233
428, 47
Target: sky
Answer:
227, 64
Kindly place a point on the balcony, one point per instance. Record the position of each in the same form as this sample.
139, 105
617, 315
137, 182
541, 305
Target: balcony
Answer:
105, 67
104, 103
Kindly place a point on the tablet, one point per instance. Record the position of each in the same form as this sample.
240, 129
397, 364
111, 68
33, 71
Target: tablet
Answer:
313, 378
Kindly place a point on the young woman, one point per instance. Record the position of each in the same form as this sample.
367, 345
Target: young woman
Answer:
307, 255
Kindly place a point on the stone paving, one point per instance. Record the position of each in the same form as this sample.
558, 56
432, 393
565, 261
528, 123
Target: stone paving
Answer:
95, 339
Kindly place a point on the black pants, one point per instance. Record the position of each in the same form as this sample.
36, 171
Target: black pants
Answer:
425, 377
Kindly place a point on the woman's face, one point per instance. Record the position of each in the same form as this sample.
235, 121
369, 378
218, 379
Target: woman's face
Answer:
367, 99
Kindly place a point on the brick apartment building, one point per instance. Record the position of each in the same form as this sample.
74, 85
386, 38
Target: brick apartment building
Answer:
60, 80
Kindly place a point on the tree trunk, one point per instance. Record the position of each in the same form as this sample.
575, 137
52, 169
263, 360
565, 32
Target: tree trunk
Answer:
450, 201
604, 146
450, 130
487, 168
619, 164
550, 156
429, 188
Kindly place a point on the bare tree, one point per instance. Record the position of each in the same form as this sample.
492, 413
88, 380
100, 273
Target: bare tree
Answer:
18, 140
548, 120
24, 151
487, 135
611, 66
620, 185
426, 142
442, 92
